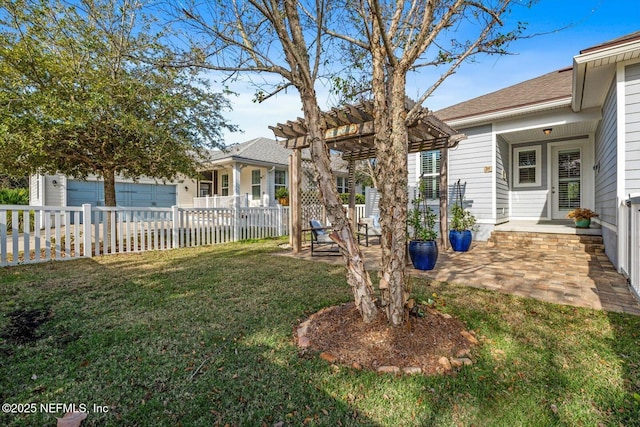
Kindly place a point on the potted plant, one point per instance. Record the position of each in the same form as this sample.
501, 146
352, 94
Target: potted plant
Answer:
462, 222
582, 217
282, 195
423, 249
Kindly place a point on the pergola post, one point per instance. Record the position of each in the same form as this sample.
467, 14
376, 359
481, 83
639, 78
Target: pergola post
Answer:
352, 194
295, 202
444, 194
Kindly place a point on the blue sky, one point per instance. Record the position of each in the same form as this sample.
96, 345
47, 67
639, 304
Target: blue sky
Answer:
588, 22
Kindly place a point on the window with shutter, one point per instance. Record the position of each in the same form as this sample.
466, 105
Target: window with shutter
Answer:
526, 166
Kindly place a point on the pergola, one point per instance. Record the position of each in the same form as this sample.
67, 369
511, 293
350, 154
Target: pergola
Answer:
350, 131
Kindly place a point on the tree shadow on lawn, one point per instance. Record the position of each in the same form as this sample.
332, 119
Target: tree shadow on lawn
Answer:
160, 348
204, 336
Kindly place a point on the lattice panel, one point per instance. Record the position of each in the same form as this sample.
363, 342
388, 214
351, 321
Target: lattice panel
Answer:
310, 198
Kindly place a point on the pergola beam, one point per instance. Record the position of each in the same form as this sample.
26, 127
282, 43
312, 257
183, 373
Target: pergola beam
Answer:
350, 130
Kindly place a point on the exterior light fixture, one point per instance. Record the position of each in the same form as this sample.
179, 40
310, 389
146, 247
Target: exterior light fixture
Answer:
186, 188
54, 182
547, 131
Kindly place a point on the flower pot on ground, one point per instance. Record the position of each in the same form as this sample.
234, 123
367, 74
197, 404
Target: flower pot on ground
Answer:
423, 254
462, 222
423, 249
582, 217
282, 194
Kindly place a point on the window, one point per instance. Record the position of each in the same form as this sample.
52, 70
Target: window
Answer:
343, 184
256, 192
526, 167
225, 185
280, 179
430, 173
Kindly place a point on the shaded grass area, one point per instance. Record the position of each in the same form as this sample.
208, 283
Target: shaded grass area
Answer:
203, 336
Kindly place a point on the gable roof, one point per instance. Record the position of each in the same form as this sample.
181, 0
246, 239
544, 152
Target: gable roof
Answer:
264, 151
550, 87
261, 150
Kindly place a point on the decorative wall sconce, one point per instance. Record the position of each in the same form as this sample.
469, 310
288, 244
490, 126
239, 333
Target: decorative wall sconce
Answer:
54, 183
547, 131
596, 167
186, 188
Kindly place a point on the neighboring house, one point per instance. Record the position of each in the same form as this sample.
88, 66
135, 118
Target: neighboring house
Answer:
535, 150
61, 190
253, 170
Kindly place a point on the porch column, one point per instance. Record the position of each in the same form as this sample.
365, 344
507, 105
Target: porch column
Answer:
295, 200
352, 194
236, 185
444, 194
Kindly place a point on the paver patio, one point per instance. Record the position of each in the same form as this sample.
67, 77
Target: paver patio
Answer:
578, 279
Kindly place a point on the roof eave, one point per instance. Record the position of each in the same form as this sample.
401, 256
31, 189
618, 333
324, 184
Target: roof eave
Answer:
463, 122
581, 61
246, 160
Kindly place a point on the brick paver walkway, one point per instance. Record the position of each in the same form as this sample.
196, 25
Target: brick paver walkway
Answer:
578, 279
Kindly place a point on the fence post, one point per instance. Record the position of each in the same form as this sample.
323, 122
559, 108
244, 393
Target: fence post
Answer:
86, 230
236, 221
175, 215
279, 220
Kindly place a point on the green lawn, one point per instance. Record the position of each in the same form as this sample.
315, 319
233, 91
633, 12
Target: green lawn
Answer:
203, 336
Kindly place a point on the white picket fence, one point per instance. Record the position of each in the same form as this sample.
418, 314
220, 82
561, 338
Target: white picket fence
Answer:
59, 233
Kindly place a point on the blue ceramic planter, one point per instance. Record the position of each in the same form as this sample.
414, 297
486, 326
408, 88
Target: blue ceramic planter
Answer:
423, 254
460, 240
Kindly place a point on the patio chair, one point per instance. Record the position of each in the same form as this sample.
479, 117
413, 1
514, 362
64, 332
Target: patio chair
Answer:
320, 239
369, 227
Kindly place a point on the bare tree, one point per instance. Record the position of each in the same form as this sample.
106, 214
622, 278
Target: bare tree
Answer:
384, 40
284, 37
392, 39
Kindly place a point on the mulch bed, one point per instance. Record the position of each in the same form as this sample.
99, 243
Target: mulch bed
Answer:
341, 337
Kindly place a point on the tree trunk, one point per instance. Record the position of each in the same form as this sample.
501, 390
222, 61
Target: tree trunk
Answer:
109, 177
392, 153
391, 150
357, 276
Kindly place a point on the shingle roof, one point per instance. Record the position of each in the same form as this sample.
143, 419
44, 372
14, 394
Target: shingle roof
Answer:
614, 42
266, 150
552, 86
259, 149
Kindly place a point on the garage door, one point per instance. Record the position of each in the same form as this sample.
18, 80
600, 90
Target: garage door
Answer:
127, 194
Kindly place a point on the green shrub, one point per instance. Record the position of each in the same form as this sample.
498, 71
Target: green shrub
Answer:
16, 196
360, 199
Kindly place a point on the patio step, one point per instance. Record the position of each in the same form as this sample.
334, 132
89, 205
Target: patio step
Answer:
546, 241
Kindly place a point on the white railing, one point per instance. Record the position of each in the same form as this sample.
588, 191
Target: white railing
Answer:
360, 211
30, 234
241, 201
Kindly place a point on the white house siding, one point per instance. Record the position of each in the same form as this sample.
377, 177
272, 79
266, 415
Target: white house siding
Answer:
530, 202
471, 162
35, 190
632, 126
54, 195
502, 181
606, 158
606, 161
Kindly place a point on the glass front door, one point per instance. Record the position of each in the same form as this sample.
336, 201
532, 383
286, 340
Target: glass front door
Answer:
567, 180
